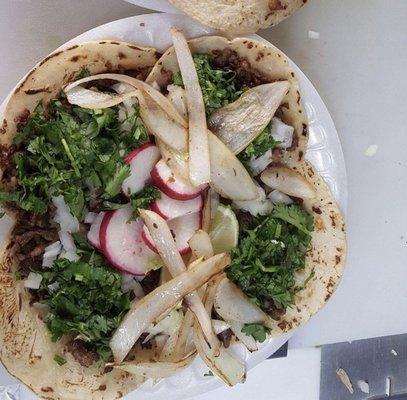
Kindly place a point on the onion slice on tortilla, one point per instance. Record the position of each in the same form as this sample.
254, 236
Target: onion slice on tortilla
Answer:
161, 125
156, 369
201, 245
229, 177
157, 96
185, 345
227, 366
166, 247
288, 181
160, 301
91, 99
176, 160
199, 163
233, 305
237, 124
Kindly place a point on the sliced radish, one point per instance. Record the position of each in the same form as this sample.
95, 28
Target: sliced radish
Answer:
93, 234
142, 161
122, 244
173, 185
182, 229
170, 208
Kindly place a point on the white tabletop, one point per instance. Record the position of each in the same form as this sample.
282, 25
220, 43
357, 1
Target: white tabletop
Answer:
359, 67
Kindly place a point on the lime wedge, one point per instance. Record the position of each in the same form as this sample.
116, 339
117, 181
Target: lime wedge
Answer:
224, 231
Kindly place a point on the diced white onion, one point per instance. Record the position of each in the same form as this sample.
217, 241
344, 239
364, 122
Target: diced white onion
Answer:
259, 206
63, 216
53, 286
70, 255
90, 217
51, 252
282, 133
33, 281
67, 241
259, 164
278, 197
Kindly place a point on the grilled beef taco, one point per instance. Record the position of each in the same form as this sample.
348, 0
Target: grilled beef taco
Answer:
228, 71
239, 16
28, 350
130, 194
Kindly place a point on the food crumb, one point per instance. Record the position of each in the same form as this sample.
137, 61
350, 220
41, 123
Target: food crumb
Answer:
343, 376
142, 24
363, 386
394, 352
313, 35
371, 150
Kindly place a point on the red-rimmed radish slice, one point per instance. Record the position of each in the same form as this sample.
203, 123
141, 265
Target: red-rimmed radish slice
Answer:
173, 185
182, 229
141, 161
170, 208
94, 231
122, 244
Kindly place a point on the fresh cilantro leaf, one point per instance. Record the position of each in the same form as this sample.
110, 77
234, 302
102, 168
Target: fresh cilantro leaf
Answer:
177, 79
257, 331
18, 275
114, 185
268, 254
59, 359
83, 74
88, 303
144, 198
219, 86
296, 216
259, 146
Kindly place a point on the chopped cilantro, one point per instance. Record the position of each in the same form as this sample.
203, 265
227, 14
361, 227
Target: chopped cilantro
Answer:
257, 331
88, 303
18, 276
142, 199
268, 254
59, 359
73, 151
219, 86
259, 146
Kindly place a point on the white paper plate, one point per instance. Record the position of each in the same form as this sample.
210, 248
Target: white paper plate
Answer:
324, 151
157, 5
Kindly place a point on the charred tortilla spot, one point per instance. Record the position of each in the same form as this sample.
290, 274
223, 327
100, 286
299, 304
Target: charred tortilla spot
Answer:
31, 92
131, 46
116, 43
300, 154
304, 129
102, 388
275, 5
316, 210
103, 42
21, 119
250, 45
333, 220
121, 55
47, 389
337, 259
292, 74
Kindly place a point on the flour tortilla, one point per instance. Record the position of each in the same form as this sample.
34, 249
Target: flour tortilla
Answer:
239, 16
272, 65
26, 348
326, 259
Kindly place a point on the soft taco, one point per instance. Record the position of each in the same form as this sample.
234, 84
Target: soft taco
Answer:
239, 16
158, 218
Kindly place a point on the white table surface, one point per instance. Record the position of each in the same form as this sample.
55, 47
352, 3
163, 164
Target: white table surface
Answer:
359, 67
